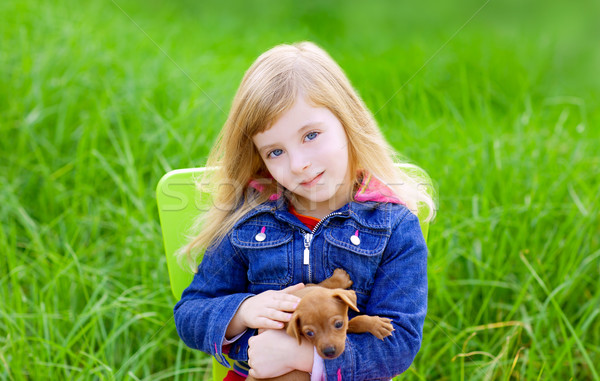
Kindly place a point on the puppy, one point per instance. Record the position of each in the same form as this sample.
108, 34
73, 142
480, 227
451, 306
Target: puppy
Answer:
322, 318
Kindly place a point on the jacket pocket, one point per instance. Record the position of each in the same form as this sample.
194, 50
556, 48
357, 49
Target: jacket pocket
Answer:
268, 250
360, 256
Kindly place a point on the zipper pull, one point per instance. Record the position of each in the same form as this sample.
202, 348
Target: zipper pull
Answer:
307, 239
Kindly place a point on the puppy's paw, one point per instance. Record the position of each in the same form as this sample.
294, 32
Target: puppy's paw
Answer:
382, 327
342, 278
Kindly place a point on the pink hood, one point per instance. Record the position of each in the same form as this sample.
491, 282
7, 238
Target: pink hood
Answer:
372, 189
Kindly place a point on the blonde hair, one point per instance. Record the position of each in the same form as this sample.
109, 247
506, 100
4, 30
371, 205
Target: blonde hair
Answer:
268, 89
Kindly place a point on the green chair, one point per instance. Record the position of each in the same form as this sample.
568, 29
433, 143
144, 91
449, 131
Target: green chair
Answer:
179, 203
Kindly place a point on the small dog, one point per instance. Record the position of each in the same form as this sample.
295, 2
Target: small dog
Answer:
322, 318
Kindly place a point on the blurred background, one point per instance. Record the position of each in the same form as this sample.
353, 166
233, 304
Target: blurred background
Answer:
496, 100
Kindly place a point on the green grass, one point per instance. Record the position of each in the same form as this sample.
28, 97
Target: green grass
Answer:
498, 101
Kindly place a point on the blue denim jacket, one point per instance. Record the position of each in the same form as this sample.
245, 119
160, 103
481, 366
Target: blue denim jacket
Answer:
388, 267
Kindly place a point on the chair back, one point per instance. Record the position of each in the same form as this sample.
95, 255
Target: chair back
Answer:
180, 202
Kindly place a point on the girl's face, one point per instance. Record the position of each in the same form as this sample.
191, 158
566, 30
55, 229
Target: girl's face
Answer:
306, 151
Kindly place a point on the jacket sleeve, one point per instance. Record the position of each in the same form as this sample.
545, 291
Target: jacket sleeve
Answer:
211, 300
399, 293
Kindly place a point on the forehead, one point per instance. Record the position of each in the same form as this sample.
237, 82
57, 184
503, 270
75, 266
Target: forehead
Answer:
326, 304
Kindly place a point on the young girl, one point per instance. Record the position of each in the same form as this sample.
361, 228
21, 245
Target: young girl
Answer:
305, 183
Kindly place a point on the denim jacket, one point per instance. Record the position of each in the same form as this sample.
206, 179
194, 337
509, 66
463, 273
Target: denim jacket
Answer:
388, 267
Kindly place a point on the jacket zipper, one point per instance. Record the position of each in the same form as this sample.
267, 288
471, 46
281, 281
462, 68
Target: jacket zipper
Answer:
308, 239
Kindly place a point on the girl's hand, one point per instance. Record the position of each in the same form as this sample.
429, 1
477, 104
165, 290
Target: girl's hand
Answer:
273, 353
269, 309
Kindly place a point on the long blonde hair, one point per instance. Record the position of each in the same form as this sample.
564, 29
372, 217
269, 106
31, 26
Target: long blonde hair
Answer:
268, 89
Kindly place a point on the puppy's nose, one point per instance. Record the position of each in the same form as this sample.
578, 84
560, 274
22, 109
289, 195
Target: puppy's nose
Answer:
329, 351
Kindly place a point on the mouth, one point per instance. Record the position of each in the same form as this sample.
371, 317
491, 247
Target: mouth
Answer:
313, 181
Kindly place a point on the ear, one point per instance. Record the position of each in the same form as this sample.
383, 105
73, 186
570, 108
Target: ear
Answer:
348, 297
294, 329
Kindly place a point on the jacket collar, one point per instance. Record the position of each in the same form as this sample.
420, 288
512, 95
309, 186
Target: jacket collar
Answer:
370, 214
371, 198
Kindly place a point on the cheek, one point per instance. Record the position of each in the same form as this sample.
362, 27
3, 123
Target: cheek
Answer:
342, 159
340, 149
278, 172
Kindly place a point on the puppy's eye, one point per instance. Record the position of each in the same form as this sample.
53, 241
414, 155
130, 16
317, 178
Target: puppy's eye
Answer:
309, 333
339, 324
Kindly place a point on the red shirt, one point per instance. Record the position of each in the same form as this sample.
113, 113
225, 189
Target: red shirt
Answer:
309, 221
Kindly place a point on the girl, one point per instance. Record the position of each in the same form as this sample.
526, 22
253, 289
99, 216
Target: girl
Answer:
305, 183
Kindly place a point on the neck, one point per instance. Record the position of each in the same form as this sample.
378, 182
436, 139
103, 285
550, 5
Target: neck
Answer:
319, 209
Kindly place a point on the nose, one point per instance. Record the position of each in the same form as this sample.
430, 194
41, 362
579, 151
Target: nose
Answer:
298, 162
329, 351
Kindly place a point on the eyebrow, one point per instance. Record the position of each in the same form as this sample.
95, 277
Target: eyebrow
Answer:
307, 126
265, 149
310, 125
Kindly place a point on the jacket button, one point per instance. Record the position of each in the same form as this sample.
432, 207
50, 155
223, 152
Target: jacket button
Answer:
355, 240
261, 236
237, 349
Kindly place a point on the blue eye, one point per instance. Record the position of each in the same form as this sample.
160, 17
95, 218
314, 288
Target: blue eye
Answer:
274, 153
311, 136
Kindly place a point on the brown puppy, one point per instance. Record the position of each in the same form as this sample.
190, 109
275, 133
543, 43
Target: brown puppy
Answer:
322, 318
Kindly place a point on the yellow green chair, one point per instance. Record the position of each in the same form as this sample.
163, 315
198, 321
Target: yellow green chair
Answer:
180, 202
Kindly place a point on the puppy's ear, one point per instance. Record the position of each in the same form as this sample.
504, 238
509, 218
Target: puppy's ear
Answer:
348, 297
294, 329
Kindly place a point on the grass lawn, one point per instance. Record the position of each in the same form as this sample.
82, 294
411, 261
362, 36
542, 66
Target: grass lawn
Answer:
497, 100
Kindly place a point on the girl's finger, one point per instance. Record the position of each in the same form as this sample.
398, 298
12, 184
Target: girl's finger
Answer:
279, 316
266, 323
283, 297
295, 287
287, 305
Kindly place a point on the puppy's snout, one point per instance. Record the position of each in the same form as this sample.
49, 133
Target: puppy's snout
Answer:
329, 351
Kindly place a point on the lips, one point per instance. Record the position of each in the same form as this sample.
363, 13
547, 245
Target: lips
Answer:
313, 181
